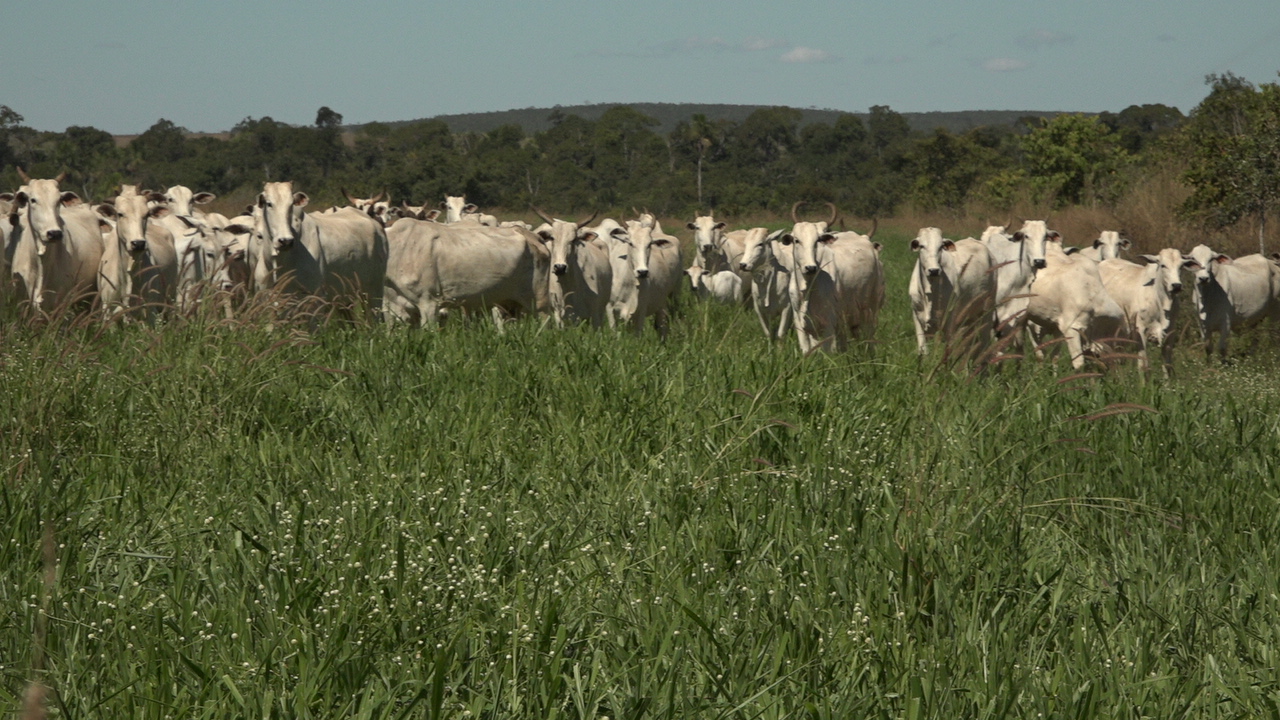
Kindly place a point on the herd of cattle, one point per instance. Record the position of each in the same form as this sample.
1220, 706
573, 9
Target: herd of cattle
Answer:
156, 252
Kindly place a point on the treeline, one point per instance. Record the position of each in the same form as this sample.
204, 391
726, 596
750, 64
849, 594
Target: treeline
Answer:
765, 162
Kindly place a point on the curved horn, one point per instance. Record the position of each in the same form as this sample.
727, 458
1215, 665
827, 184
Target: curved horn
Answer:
61, 176
378, 197
793, 211
1009, 225
582, 223
543, 215
834, 214
347, 195
875, 225
634, 210
23, 174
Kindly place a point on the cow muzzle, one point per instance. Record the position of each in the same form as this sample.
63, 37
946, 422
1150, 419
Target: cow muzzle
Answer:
559, 268
284, 243
810, 269
935, 272
137, 245
53, 236
1175, 288
744, 267
642, 274
1038, 263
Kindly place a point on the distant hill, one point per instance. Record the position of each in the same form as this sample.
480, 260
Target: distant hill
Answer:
670, 114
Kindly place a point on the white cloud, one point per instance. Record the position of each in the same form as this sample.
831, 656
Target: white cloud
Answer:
757, 44
1037, 39
801, 54
1005, 65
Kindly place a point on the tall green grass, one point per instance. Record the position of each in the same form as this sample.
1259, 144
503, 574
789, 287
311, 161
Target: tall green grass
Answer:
256, 521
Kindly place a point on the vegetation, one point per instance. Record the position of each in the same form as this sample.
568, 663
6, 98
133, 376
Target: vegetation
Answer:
251, 521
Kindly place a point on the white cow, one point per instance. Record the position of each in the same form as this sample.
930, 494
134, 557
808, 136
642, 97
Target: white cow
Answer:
725, 286
153, 260
951, 285
1016, 257
768, 262
581, 278
417, 212
115, 281
1149, 297
1232, 293
716, 251
646, 274
329, 255
182, 201
837, 286
434, 267
1069, 299
63, 240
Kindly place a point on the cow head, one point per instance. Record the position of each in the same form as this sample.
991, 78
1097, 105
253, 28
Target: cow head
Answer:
640, 234
1203, 263
805, 239
131, 213
708, 235
225, 257
756, 248
1164, 270
282, 213
1109, 244
179, 198
930, 246
1032, 237
43, 202
454, 207
565, 239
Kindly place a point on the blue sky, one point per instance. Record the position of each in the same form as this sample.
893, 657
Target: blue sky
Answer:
207, 65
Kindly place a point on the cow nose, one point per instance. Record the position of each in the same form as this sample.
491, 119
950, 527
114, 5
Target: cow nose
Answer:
137, 245
1175, 288
642, 273
935, 272
559, 268
53, 235
228, 285
744, 267
284, 243
810, 269
1038, 263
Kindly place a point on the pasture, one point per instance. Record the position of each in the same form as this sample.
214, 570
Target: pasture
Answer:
264, 521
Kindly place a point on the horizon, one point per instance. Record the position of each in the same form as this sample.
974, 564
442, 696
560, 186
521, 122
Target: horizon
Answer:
122, 71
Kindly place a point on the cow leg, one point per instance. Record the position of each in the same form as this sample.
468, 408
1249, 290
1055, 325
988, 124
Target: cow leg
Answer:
784, 323
499, 319
764, 324
660, 324
922, 342
1224, 335
1075, 344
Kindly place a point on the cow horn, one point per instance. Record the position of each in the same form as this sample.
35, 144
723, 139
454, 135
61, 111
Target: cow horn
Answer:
378, 197
61, 176
634, 210
23, 174
582, 223
834, 214
793, 211
543, 215
875, 225
347, 195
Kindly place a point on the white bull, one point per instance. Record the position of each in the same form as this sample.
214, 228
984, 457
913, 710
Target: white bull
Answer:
837, 288
1232, 293
646, 275
1069, 299
951, 285
328, 255
581, 277
769, 263
63, 243
1149, 297
153, 260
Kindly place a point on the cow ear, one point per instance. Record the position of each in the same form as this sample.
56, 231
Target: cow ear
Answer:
589, 235
1053, 235
545, 235
19, 199
159, 211
431, 214
153, 196
238, 229
877, 247
1152, 259
619, 233
202, 198
1191, 264
1125, 243
1149, 283
1097, 243
691, 226
948, 245
660, 242
826, 238
300, 199
719, 226
1222, 259
470, 208
262, 200
787, 239
104, 226
188, 222
1018, 236
1275, 256
1072, 250
916, 245
106, 210
6, 197
70, 199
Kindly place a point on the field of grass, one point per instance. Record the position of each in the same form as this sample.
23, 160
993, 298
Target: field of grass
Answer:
254, 522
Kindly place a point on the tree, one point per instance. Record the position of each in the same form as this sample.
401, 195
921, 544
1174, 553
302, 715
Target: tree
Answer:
327, 118
886, 128
1071, 158
947, 167
1232, 143
163, 142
